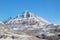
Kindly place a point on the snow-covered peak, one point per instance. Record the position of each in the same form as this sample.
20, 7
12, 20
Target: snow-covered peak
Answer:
28, 19
29, 15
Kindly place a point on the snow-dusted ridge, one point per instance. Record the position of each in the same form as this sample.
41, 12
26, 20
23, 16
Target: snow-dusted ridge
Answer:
40, 18
28, 19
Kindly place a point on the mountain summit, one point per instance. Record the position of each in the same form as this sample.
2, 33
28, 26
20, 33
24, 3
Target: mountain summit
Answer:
26, 14
26, 19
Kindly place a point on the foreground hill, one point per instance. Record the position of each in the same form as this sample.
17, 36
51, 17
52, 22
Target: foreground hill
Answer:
7, 33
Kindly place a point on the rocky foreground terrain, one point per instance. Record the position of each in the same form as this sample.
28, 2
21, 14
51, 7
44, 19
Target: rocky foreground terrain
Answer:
7, 33
28, 26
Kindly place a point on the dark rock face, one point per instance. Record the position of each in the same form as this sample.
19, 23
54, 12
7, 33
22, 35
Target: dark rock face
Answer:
58, 36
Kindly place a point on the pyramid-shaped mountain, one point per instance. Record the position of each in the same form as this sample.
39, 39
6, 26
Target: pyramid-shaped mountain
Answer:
26, 20
29, 23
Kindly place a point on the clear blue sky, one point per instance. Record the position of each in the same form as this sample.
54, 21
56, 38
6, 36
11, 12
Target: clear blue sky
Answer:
48, 9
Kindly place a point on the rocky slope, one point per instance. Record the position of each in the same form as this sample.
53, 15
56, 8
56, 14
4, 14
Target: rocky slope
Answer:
26, 20
7, 33
31, 24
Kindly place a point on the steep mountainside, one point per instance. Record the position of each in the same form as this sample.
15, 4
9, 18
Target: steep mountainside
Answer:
26, 20
26, 24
